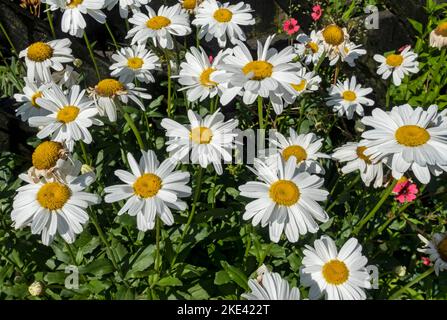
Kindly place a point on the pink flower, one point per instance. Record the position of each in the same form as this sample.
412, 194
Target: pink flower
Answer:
211, 59
291, 26
405, 191
426, 261
403, 48
316, 12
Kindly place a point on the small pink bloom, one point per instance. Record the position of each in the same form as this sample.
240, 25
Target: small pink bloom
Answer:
316, 12
403, 48
211, 59
426, 261
405, 191
291, 26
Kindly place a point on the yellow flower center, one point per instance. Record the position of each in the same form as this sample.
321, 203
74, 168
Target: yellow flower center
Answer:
313, 47
412, 136
201, 135
394, 60
158, 22
284, 193
75, 3
205, 78
346, 50
333, 35
361, 154
335, 272
53, 195
67, 114
46, 155
109, 87
147, 185
39, 52
223, 15
297, 151
442, 249
34, 97
300, 86
349, 95
135, 63
441, 30
260, 69
189, 4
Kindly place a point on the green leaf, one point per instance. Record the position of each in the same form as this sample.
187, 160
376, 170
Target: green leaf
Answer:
98, 267
144, 260
125, 293
221, 277
169, 282
236, 275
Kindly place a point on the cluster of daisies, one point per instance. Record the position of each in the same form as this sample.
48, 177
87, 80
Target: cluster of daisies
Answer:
289, 185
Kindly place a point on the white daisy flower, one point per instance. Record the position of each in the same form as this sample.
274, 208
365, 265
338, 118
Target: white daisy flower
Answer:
309, 48
411, 139
266, 77
40, 57
73, 21
308, 82
107, 91
398, 65
438, 37
355, 159
53, 207
71, 116
29, 107
338, 275
151, 189
349, 98
347, 52
159, 26
333, 37
190, 6
195, 74
222, 21
134, 62
304, 147
286, 200
48, 158
125, 5
271, 286
436, 249
210, 140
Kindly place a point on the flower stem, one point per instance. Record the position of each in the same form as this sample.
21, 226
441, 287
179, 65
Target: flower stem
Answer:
388, 98
135, 131
370, 215
92, 56
84, 153
260, 113
399, 292
168, 62
8, 38
192, 213
50, 21
157, 241
112, 36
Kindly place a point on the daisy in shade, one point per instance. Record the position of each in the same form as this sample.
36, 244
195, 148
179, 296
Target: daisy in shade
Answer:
53, 207
222, 21
286, 200
47, 159
265, 77
338, 275
332, 37
407, 138
309, 48
134, 62
436, 248
349, 52
108, 91
398, 65
150, 189
270, 286
355, 159
41, 57
67, 77
73, 21
29, 107
70, 116
438, 37
308, 82
160, 26
125, 5
195, 74
349, 98
304, 147
190, 6
210, 140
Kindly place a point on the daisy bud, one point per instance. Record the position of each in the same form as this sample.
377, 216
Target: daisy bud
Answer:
359, 127
77, 63
400, 271
85, 168
36, 289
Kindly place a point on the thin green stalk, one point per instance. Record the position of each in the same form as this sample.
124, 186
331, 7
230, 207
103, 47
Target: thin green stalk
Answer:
192, 213
92, 56
260, 113
8, 39
112, 36
388, 97
50, 21
84, 153
168, 62
135, 131
213, 104
157, 241
370, 215
349, 187
399, 292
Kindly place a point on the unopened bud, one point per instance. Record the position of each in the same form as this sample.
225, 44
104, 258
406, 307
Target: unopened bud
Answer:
77, 63
85, 168
400, 271
36, 288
